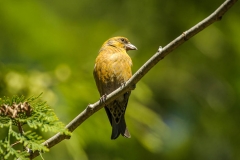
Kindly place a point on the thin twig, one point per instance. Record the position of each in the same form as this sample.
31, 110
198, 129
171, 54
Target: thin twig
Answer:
161, 53
17, 142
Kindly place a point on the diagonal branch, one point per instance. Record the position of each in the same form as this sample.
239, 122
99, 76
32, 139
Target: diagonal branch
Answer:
161, 53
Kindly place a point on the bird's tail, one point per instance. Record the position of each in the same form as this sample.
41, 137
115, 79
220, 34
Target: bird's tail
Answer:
120, 128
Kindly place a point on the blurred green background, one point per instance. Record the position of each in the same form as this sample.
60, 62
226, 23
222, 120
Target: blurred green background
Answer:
186, 107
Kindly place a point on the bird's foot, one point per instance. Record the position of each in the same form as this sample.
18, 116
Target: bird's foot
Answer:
123, 84
132, 87
103, 98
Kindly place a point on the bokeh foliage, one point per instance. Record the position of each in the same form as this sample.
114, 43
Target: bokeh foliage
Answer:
187, 107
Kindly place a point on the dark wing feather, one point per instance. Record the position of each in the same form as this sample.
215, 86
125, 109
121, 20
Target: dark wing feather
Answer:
116, 117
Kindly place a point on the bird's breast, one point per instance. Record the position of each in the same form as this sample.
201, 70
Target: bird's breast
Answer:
112, 70
119, 67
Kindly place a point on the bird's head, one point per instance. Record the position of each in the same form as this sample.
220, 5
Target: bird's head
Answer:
120, 42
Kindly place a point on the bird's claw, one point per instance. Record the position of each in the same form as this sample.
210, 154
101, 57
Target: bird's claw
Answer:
123, 84
132, 86
103, 98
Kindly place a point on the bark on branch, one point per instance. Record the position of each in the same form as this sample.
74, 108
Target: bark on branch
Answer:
160, 54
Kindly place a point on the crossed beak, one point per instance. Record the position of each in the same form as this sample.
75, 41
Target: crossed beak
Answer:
129, 46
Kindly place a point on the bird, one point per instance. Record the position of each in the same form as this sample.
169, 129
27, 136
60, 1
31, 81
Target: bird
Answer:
111, 70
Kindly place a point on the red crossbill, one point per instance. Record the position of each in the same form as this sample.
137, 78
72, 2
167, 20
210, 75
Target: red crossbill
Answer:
112, 69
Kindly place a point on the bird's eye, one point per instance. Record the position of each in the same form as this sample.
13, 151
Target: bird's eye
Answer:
123, 40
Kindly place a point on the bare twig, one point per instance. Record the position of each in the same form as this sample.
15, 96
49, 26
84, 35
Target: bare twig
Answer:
161, 53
